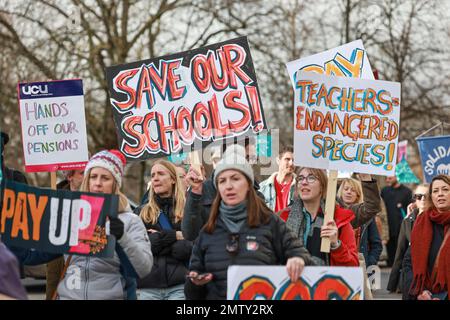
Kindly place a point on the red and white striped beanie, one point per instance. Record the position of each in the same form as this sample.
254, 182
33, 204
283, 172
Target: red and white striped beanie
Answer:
112, 160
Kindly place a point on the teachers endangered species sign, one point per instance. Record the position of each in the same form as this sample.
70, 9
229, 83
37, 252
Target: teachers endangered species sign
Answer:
53, 125
346, 124
163, 104
57, 221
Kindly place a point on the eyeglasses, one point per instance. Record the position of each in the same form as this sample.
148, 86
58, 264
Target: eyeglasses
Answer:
309, 179
419, 196
233, 243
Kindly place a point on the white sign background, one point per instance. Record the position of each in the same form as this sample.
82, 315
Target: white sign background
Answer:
303, 139
278, 276
320, 59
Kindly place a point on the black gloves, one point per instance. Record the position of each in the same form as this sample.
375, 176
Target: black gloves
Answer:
116, 227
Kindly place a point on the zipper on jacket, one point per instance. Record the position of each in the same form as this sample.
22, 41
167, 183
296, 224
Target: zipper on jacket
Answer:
87, 278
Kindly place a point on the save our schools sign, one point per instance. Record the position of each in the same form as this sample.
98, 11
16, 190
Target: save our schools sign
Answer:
346, 124
57, 221
53, 125
434, 155
166, 104
315, 283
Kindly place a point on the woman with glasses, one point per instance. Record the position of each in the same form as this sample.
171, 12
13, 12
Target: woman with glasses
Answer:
404, 238
306, 217
427, 261
241, 230
162, 215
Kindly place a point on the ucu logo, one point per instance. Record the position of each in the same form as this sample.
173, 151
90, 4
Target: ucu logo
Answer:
35, 89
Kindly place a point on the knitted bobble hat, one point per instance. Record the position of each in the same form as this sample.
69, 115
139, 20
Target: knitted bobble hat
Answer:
112, 160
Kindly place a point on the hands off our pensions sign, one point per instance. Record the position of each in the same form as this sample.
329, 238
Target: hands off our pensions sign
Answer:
53, 125
165, 103
57, 221
346, 124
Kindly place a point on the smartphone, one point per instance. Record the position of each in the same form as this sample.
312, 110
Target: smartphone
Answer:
198, 277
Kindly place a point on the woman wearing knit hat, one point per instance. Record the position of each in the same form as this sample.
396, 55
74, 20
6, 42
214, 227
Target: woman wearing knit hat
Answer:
162, 215
92, 278
101, 278
241, 230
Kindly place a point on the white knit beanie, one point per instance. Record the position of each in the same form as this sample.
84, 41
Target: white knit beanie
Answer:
234, 158
113, 161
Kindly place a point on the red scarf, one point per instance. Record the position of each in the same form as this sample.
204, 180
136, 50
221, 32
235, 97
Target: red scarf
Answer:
421, 238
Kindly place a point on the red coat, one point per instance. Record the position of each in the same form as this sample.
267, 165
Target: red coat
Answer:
347, 254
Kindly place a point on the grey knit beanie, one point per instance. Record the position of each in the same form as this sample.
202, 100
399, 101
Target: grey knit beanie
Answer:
234, 158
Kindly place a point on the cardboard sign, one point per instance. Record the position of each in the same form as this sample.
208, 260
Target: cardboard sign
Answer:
57, 221
346, 124
348, 60
53, 125
315, 283
434, 155
167, 104
402, 152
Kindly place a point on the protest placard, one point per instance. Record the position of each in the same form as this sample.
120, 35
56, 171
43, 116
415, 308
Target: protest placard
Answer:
434, 155
348, 60
346, 124
315, 283
57, 221
402, 152
165, 104
53, 125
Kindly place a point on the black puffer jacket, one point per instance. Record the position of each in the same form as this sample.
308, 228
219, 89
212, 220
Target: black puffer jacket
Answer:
268, 244
170, 256
198, 207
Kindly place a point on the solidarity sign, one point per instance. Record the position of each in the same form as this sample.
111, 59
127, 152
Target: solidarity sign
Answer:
163, 104
435, 156
346, 124
53, 125
57, 221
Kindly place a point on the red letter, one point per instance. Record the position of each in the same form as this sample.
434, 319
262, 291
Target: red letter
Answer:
255, 104
120, 82
230, 103
184, 119
145, 86
133, 151
202, 83
170, 128
220, 129
218, 83
175, 92
201, 111
234, 66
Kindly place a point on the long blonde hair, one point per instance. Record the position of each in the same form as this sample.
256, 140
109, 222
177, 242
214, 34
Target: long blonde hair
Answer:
150, 212
356, 185
123, 200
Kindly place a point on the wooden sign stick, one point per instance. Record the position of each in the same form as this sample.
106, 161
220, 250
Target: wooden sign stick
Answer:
53, 180
330, 204
194, 160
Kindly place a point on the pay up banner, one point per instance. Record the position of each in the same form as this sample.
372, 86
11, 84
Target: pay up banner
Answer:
346, 124
164, 104
53, 125
434, 155
348, 60
57, 221
315, 283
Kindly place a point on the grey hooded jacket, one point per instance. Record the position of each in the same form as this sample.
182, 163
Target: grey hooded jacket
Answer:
90, 278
